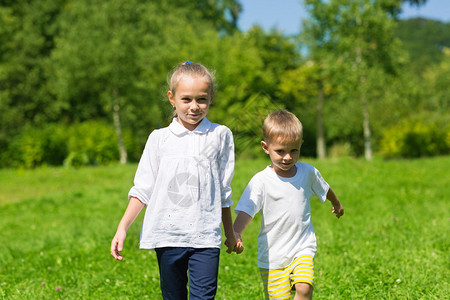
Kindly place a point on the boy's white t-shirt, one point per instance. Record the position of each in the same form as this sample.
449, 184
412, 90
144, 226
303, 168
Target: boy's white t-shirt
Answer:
284, 203
183, 178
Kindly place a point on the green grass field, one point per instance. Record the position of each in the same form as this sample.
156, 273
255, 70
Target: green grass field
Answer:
56, 225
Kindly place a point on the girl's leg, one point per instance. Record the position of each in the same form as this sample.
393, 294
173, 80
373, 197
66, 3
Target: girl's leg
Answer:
173, 265
203, 270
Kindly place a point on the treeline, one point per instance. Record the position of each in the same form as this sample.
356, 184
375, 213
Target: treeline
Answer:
84, 82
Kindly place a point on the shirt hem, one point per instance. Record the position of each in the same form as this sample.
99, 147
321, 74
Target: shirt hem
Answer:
153, 247
269, 266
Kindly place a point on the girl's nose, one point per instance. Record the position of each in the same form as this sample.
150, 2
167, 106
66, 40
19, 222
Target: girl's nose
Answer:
194, 105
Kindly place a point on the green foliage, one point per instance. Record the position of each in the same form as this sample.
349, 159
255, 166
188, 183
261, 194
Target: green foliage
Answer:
66, 62
37, 146
424, 40
390, 244
91, 143
87, 143
437, 78
421, 136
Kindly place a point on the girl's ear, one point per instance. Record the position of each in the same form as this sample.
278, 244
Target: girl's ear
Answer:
212, 97
265, 147
171, 98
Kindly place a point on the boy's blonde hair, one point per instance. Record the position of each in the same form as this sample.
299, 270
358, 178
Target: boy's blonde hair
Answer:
190, 69
282, 126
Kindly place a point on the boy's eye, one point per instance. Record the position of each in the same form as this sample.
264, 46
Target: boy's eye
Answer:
185, 99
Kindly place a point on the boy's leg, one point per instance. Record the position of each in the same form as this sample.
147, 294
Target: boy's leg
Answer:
303, 291
173, 265
302, 277
276, 283
203, 270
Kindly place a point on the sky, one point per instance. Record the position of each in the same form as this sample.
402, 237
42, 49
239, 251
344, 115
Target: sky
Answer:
286, 15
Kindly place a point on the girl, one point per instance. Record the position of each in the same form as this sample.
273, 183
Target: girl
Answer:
183, 179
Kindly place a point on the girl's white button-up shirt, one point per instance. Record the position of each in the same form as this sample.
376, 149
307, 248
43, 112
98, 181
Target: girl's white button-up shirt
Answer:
184, 178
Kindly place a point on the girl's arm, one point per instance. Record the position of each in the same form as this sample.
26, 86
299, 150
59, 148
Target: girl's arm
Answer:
228, 228
134, 208
338, 209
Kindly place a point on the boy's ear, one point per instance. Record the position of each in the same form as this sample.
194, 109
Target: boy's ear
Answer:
265, 147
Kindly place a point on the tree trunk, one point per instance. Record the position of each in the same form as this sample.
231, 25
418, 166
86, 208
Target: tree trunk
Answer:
118, 128
363, 95
321, 148
366, 122
365, 112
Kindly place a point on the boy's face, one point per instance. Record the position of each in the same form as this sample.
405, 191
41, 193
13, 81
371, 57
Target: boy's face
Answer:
283, 155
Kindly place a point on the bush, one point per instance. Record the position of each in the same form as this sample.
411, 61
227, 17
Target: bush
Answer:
91, 143
26, 150
88, 143
417, 137
36, 146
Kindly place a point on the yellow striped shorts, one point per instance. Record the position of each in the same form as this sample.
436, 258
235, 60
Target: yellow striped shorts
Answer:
278, 283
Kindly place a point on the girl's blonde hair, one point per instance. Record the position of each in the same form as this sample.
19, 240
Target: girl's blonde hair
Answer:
190, 69
282, 126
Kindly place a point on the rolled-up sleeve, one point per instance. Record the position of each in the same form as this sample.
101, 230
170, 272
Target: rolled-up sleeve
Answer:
145, 177
226, 167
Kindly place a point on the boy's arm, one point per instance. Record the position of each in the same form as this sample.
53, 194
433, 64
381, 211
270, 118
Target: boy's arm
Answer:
134, 208
338, 209
241, 222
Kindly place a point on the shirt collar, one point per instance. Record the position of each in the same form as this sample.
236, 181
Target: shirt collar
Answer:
179, 129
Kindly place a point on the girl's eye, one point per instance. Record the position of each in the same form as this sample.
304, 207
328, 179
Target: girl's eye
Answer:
185, 99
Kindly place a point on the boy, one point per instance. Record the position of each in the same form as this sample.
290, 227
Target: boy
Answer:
281, 193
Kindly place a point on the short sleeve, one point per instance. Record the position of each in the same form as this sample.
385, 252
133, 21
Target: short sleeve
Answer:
252, 198
226, 167
144, 179
319, 186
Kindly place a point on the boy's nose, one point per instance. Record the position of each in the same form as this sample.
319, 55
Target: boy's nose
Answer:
287, 156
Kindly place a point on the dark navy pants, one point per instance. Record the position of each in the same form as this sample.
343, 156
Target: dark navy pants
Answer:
175, 264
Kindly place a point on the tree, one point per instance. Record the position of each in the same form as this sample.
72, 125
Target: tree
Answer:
438, 83
112, 56
358, 35
27, 32
222, 14
311, 80
424, 40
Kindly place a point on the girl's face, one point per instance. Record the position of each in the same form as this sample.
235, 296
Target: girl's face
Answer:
191, 100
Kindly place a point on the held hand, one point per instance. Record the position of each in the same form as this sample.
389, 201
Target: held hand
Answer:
117, 245
338, 210
239, 246
231, 244
234, 244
